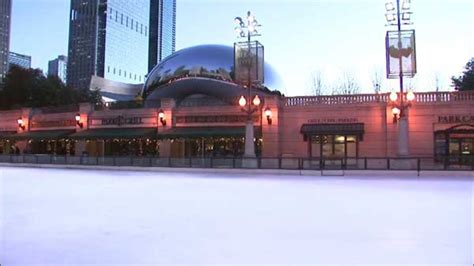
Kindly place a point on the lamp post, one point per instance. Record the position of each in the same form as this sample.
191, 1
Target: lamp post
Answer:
248, 106
396, 16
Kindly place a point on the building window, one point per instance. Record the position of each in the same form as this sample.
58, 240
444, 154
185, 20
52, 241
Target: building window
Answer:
334, 146
116, 16
121, 18
455, 145
108, 69
131, 24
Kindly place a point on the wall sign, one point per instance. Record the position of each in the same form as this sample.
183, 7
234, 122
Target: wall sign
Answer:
333, 120
214, 119
54, 123
120, 120
455, 119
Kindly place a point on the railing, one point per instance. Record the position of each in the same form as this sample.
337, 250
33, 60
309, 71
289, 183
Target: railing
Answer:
335, 99
421, 97
365, 163
429, 97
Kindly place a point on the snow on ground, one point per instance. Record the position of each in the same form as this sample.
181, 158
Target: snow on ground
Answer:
74, 217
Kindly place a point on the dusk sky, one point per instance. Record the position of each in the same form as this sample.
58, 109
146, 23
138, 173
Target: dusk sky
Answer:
300, 37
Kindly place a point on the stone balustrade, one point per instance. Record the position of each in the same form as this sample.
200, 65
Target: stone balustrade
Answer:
421, 97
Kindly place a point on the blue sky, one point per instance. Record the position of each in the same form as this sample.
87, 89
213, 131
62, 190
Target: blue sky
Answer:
300, 37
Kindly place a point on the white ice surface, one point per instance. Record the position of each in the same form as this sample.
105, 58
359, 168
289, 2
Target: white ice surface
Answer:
73, 217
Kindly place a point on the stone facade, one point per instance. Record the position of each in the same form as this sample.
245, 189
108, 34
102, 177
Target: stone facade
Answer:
280, 137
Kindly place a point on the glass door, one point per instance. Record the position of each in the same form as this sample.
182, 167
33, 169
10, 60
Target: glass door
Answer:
467, 151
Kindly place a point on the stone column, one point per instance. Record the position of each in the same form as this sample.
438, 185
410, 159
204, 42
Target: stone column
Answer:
403, 140
249, 140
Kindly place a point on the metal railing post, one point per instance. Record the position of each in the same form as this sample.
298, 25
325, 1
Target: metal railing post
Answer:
418, 165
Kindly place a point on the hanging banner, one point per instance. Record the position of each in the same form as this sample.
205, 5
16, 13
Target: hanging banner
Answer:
248, 63
400, 53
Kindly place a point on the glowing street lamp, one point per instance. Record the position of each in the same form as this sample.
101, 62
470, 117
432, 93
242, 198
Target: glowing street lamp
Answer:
399, 106
268, 114
256, 101
78, 121
393, 96
161, 116
242, 101
20, 123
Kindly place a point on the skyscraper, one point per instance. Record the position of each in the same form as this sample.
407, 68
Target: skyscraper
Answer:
109, 39
162, 30
19, 60
58, 67
5, 22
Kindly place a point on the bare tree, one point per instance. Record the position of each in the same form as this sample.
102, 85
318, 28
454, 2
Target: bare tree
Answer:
438, 81
348, 85
317, 83
411, 84
377, 79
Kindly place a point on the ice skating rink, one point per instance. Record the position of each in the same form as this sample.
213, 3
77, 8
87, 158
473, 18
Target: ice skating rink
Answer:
80, 217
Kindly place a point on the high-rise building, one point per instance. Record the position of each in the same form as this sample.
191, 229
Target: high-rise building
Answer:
162, 31
58, 67
19, 60
5, 22
109, 39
